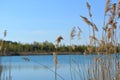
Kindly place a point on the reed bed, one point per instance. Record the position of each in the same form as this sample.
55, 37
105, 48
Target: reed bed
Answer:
104, 52
106, 65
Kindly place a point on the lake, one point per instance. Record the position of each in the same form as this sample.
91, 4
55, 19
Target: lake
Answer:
42, 67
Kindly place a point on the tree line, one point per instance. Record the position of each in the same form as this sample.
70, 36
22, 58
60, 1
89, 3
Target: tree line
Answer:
17, 48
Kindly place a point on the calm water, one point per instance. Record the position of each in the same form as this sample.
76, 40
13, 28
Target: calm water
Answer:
42, 67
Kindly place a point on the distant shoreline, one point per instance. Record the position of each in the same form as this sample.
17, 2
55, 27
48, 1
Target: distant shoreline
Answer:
43, 53
38, 53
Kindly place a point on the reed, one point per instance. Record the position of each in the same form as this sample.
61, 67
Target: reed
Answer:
2, 48
118, 9
105, 65
58, 40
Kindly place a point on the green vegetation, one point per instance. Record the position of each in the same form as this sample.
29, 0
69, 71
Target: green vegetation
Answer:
17, 48
104, 67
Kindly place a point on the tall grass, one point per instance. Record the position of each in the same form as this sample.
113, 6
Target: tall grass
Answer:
106, 64
104, 67
58, 40
3, 49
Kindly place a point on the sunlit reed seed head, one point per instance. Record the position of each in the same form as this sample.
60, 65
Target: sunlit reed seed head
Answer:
113, 9
86, 20
105, 28
79, 29
107, 6
118, 9
93, 38
88, 5
58, 40
72, 33
109, 33
5, 33
114, 26
89, 23
111, 19
79, 32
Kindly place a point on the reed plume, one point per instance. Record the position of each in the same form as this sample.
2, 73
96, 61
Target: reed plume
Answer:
118, 9
111, 19
114, 26
79, 32
89, 7
58, 40
109, 33
94, 27
86, 21
107, 6
93, 38
72, 33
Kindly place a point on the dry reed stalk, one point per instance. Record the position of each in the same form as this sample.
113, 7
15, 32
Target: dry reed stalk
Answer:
55, 58
58, 40
73, 46
5, 33
95, 27
108, 44
103, 41
85, 53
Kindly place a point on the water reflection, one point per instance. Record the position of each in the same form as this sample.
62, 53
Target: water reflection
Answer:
15, 68
42, 67
5, 71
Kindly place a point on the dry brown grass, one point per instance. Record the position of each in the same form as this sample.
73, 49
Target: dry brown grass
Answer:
118, 9
107, 6
55, 58
105, 66
72, 33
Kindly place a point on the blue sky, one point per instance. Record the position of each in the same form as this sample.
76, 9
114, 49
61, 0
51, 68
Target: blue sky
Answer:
27, 21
